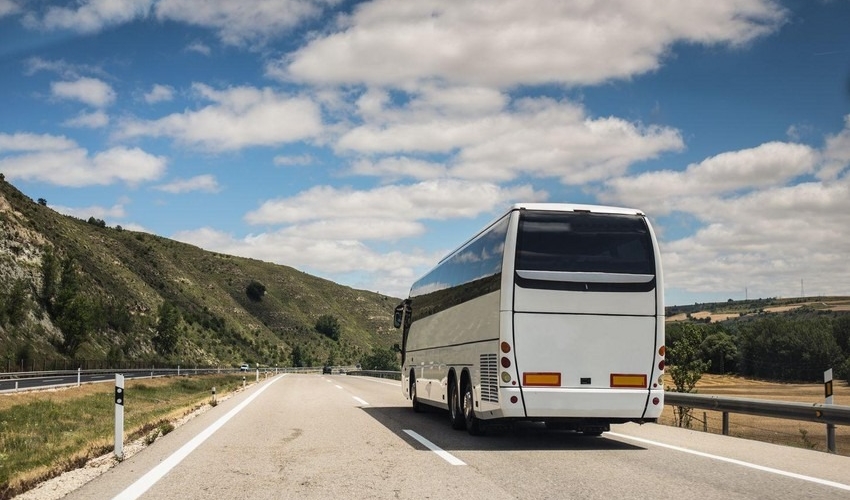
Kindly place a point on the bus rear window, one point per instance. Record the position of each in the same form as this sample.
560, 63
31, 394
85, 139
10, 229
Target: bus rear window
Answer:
584, 242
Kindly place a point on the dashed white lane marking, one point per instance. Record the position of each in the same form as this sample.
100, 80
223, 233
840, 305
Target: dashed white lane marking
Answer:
448, 457
364, 403
771, 470
145, 482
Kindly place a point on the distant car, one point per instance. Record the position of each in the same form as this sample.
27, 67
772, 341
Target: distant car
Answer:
245, 367
327, 370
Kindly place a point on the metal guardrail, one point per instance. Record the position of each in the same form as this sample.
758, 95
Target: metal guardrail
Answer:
807, 412
376, 373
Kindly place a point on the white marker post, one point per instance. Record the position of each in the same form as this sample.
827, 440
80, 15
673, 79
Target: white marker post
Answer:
79, 372
827, 392
119, 416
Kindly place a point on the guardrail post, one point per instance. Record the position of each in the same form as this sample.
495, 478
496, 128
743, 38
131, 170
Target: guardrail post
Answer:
827, 392
725, 423
119, 416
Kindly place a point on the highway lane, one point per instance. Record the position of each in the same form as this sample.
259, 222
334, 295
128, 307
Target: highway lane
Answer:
312, 436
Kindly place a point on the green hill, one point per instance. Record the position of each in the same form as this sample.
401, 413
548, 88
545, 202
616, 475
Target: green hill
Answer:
78, 290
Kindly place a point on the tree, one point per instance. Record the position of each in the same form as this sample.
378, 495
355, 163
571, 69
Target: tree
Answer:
720, 351
49, 270
255, 291
380, 359
328, 325
15, 307
42, 202
167, 332
686, 366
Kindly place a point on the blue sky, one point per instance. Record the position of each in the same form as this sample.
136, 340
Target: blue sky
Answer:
361, 141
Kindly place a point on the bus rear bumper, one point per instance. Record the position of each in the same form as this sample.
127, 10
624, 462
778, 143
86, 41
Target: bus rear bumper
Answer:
542, 403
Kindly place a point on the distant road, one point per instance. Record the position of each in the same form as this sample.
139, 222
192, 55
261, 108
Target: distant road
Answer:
309, 436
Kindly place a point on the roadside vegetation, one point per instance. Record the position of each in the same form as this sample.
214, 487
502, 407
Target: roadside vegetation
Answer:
45, 433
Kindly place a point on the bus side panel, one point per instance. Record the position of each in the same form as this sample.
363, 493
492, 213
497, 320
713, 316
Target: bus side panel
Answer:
459, 338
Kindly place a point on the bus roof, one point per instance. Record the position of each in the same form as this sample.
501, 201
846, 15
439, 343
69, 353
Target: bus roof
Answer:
571, 207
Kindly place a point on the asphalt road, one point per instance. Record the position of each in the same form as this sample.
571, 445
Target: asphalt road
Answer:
328, 437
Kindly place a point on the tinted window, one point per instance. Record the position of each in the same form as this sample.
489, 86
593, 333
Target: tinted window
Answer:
470, 272
584, 242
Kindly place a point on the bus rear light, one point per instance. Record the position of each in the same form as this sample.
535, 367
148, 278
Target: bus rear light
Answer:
506, 377
655, 401
546, 379
514, 399
662, 351
661, 365
506, 363
628, 380
506, 348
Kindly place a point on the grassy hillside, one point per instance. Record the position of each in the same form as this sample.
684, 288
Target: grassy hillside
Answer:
119, 280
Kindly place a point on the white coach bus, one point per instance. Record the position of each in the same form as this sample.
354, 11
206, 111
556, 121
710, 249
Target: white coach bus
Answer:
551, 313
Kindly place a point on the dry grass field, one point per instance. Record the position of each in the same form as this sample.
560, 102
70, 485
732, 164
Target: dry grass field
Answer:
772, 430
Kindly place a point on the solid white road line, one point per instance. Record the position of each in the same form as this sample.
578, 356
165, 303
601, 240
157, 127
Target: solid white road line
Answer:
448, 457
810, 479
145, 482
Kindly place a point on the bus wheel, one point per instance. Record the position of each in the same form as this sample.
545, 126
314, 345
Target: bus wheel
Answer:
473, 424
455, 413
417, 406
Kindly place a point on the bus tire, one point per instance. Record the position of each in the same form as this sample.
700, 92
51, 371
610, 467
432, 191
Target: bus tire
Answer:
417, 405
455, 412
473, 423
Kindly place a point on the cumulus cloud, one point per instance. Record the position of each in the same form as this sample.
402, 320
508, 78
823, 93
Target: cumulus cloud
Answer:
8, 7
238, 117
245, 21
663, 191
836, 153
60, 161
204, 183
505, 43
91, 91
89, 16
767, 241
439, 199
159, 93
390, 272
539, 137
116, 211
96, 119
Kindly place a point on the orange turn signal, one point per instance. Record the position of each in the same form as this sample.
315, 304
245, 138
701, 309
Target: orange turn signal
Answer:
542, 379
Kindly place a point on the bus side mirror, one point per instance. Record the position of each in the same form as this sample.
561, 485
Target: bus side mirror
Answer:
398, 316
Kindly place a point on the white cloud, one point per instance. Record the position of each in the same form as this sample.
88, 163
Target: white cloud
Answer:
663, 191
390, 272
767, 241
60, 161
399, 167
96, 119
538, 137
204, 183
440, 199
296, 160
239, 117
8, 7
91, 91
244, 21
506, 43
91, 16
104, 213
199, 47
836, 153
159, 93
